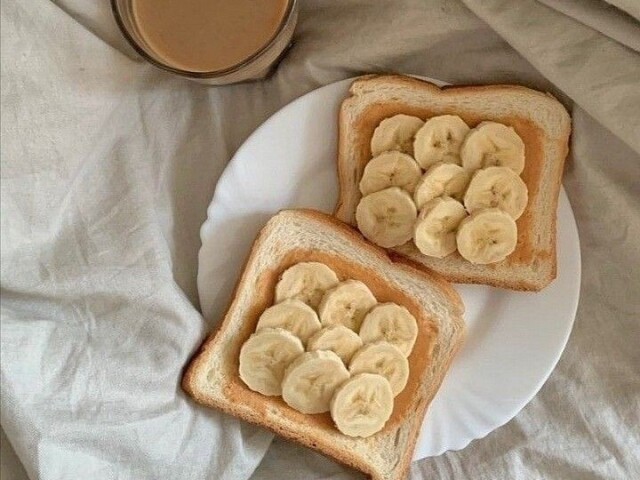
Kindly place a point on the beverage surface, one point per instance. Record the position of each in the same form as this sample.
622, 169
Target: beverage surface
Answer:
207, 35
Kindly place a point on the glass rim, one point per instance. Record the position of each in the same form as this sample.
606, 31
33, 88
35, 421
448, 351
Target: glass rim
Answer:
211, 74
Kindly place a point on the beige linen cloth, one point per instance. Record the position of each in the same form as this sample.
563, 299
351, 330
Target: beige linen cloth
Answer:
108, 167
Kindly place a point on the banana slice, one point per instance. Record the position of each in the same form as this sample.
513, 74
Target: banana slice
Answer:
264, 358
384, 359
441, 179
435, 231
362, 405
339, 339
346, 304
493, 144
386, 218
311, 379
307, 282
392, 323
292, 315
439, 140
390, 169
497, 187
395, 133
487, 236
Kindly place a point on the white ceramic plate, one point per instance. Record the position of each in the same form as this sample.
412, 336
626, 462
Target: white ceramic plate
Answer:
514, 339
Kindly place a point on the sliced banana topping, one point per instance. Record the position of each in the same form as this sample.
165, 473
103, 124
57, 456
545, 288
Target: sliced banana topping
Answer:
487, 236
307, 282
479, 168
338, 339
497, 187
441, 179
386, 218
493, 144
360, 398
439, 140
390, 169
362, 405
311, 379
395, 133
264, 358
346, 304
384, 359
292, 315
435, 231
392, 323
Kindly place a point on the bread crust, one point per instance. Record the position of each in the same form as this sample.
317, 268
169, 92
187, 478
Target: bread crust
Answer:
541, 121
224, 390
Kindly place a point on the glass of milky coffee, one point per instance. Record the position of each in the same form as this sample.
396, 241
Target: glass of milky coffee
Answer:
216, 42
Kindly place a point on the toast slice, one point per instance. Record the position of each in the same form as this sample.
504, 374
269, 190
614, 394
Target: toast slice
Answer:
541, 121
293, 236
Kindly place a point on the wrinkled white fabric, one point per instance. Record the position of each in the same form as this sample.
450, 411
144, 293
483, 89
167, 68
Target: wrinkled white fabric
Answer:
108, 167
632, 7
606, 19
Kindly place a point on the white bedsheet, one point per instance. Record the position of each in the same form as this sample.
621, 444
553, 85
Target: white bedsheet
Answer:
107, 169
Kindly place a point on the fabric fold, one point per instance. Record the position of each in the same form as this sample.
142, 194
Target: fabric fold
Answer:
595, 71
95, 326
603, 17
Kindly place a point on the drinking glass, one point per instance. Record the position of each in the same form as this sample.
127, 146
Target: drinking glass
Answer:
256, 67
